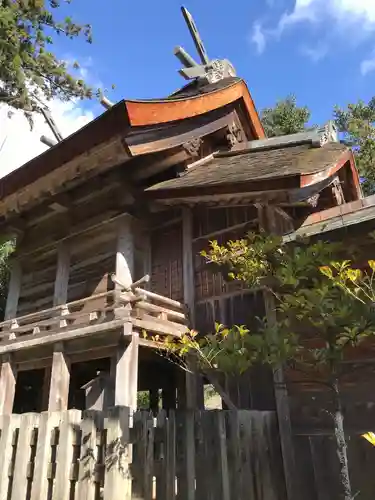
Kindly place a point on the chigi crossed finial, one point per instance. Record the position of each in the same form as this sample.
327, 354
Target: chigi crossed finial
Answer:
209, 70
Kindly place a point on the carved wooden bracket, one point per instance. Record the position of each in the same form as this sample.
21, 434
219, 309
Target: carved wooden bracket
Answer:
235, 135
193, 147
338, 191
313, 200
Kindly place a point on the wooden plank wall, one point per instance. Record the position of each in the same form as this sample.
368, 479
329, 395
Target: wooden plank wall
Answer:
92, 261
37, 283
217, 299
228, 302
318, 467
74, 456
166, 257
311, 406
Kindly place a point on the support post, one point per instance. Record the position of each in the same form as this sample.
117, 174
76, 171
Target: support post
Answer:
188, 262
194, 383
7, 386
125, 251
14, 290
268, 222
126, 384
60, 378
46, 388
60, 294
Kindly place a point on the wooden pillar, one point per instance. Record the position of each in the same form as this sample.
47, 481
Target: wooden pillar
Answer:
126, 379
194, 383
14, 290
46, 388
188, 262
125, 251
60, 294
268, 222
147, 265
7, 386
60, 379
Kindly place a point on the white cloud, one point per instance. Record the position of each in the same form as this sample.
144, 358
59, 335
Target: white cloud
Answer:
351, 21
368, 65
316, 54
18, 144
258, 37
341, 11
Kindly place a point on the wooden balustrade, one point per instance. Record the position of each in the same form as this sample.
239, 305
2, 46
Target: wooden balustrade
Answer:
147, 310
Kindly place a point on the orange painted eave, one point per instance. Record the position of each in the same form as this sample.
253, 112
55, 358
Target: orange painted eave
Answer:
146, 113
347, 156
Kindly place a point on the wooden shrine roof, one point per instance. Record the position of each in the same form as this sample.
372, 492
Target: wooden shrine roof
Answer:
129, 117
300, 162
359, 214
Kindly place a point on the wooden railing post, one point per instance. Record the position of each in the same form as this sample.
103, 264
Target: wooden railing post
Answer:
7, 385
60, 378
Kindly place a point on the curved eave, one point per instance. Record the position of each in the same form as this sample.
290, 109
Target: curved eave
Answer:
346, 157
145, 113
291, 189
116, 123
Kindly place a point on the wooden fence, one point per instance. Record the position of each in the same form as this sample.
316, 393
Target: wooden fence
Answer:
207, 455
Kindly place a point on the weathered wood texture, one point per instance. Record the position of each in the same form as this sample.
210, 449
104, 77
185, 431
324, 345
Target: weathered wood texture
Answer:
317, 466
151, 313
92, 455
166, 261
217, 299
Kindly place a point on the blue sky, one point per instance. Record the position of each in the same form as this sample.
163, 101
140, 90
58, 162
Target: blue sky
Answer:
323, 51
316, 49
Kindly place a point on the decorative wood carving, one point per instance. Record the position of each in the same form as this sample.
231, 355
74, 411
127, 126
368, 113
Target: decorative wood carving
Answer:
313, 200
193, 147
235, 135
337, 191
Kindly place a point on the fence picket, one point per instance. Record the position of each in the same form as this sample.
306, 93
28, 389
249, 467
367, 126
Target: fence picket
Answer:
148, 447
223, 458
234, 453
47, 422
9, 427
162, 453
247, 476
70, 420
216, 455
29, 422
87, 486
200, 458
170, 448
117, 482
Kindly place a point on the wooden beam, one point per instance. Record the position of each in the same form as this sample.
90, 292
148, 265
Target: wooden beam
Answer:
126, 384
37, 340
7, 386
60, 294
60, 379
14, 290
159, 165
